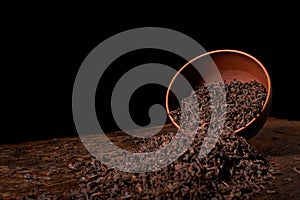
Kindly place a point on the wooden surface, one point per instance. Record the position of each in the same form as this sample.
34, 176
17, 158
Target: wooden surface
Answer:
52, 167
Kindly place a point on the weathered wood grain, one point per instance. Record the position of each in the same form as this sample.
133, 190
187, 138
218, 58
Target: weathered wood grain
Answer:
53, 167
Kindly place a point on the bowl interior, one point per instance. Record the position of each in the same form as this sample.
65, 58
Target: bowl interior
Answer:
240, 66
232, 65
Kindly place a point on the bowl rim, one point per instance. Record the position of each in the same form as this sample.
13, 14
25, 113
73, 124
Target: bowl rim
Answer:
223, 51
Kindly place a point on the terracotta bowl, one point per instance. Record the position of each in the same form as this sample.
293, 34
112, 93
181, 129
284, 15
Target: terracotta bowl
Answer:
232, 64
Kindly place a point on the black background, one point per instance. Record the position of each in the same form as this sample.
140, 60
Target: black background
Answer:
43, 49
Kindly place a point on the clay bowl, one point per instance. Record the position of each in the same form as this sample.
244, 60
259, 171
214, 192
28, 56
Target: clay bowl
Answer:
232, 64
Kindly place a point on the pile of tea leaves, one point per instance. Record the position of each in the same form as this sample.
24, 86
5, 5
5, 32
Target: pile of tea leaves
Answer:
231, 169
244, 101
